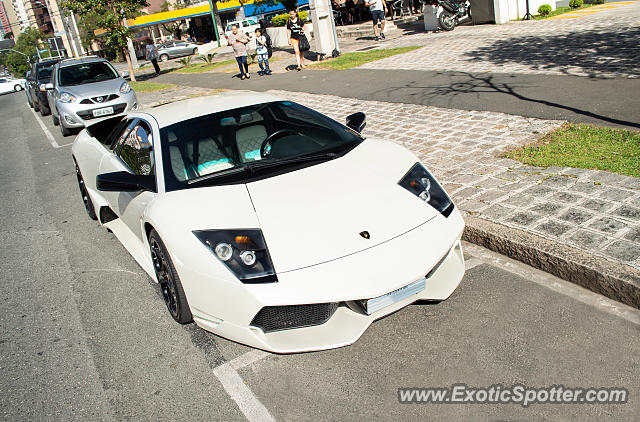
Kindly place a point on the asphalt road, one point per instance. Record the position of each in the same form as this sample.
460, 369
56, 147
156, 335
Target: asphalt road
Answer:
84, 334
577, 99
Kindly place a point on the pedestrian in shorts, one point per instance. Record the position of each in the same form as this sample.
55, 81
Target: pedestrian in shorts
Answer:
262, 52
378, 9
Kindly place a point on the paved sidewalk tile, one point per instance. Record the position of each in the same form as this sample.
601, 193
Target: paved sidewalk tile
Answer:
604, 44
593, 210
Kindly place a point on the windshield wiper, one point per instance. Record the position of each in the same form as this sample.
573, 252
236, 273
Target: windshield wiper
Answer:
261, 165
299, 159
221, 173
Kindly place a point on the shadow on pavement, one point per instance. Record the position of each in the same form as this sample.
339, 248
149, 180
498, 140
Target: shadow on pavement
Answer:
592, 52
485, 84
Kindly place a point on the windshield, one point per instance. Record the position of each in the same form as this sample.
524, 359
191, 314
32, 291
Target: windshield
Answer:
266, 136
86, 73
44, 72
230, 26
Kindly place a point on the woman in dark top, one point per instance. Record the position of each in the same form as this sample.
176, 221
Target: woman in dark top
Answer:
295, 28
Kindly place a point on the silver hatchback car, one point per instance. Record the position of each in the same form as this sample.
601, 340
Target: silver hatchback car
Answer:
171, 49
86, 90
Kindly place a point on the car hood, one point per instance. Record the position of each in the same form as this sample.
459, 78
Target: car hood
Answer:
317, 214
95, 89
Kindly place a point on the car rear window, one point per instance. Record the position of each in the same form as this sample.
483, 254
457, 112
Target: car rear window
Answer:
86, 73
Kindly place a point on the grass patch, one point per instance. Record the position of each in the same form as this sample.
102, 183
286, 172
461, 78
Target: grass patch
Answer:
202, 67
149, 86
351, 60
584, 146
560, 11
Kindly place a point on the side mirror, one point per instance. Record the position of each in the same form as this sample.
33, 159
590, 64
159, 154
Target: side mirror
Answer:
123, 181
125, 74
48, 86
357, 121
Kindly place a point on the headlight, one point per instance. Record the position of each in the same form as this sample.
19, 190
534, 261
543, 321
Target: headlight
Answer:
65, 97
125, 87
42, 87
244, 252
422, 184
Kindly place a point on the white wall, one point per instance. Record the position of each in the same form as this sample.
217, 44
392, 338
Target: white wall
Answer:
279, 35
506, 10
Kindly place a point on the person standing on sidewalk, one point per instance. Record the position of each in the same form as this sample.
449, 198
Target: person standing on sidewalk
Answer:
295, 28
239, 43
262, 52
378, 9
152, 55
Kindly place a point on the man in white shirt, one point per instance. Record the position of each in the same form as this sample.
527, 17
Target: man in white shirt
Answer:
378, 9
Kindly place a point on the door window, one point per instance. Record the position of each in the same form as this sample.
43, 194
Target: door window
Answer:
120, 133
137, 150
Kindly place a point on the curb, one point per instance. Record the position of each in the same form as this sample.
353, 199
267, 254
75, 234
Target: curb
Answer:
616, 281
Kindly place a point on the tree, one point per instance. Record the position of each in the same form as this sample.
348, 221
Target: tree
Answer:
27, 43
109, 15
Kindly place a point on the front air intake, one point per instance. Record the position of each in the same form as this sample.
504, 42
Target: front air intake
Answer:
276, 318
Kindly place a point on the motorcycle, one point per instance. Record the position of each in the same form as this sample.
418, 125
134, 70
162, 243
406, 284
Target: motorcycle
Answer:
451, 12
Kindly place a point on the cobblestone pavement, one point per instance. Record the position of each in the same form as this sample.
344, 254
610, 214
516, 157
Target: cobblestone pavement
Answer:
603, 44
150, 99
595, 211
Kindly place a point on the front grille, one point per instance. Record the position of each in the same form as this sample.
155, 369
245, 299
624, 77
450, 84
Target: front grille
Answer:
276, 318
88, 114
99, 100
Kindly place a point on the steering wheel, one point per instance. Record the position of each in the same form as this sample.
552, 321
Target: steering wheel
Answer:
274, 135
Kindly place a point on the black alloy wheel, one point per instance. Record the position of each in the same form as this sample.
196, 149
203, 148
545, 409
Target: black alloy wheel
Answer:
88, 205
169, 282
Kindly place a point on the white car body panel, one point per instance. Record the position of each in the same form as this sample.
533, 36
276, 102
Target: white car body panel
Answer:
322, 208
310, 218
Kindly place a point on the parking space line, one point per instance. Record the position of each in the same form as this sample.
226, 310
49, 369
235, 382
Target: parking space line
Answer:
248, 403
48, 134
554, 283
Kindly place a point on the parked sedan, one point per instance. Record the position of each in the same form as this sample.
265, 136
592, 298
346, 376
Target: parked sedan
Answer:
268, 223
37, 81
85, 90
172, 49
11, 85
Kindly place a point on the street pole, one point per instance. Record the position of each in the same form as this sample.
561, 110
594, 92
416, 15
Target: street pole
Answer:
215, 26
132, 51
124, 50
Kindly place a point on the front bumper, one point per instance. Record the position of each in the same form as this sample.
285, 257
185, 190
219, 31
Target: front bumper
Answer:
78, 114
228, 311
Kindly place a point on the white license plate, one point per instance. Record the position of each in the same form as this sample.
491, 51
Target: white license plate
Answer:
377, 303
105, 111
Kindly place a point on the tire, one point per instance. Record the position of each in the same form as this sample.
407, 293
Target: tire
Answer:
56, 121
65, 130
169, 281
164, 57
44, 110
36, 106
17, 88
447, 21
88, 205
